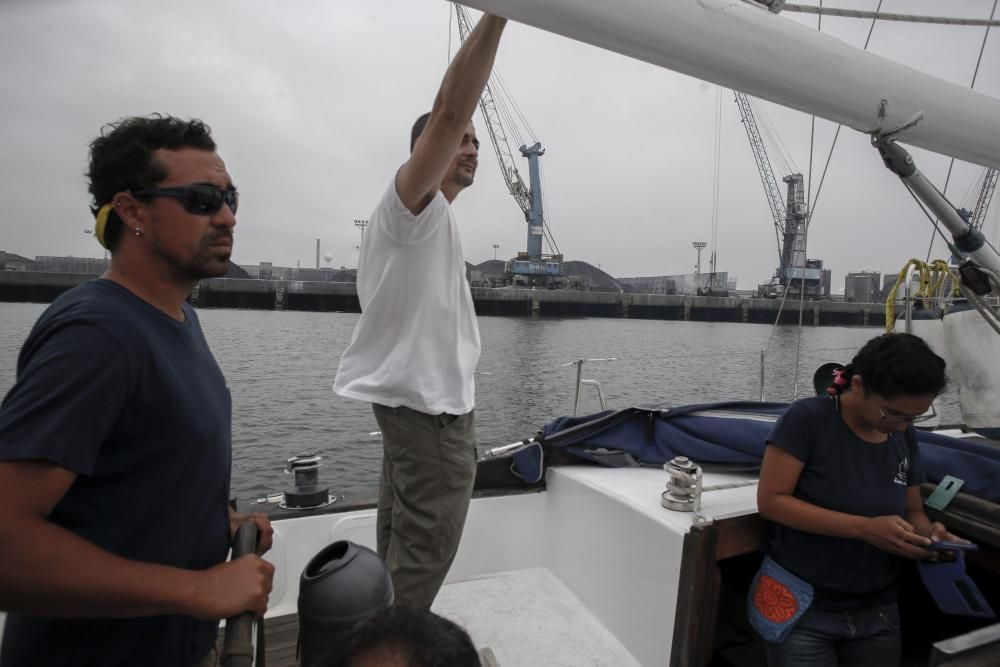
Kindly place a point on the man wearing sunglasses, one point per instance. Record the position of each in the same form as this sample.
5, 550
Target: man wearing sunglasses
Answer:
115, 440
416, 345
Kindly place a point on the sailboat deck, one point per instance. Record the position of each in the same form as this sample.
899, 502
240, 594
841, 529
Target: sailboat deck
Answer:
526, 617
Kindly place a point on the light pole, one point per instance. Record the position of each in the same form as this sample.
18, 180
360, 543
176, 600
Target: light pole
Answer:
496, 246
699, 246
89, 231
361, 224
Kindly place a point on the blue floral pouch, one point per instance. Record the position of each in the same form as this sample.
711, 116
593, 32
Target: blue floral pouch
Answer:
776, 601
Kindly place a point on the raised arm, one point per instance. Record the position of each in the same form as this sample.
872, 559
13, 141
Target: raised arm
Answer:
779, 474
48, 571
419, 179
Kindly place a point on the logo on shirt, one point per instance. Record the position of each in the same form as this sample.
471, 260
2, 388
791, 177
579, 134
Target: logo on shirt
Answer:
900, 477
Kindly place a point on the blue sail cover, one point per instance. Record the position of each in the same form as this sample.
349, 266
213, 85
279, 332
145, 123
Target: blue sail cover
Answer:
728, 434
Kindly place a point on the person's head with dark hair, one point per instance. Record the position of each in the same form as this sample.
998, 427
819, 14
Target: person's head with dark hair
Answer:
403, 636
892, 380
165, 206
418, 129
122, 159
461, 173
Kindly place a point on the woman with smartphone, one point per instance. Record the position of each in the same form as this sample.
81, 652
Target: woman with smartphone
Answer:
840, 485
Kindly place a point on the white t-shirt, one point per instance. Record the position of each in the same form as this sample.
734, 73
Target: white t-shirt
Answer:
417, 342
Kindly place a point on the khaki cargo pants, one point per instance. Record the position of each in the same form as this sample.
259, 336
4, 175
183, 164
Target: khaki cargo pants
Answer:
428, 470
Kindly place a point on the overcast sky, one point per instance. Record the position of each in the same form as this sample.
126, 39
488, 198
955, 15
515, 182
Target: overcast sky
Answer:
311, 102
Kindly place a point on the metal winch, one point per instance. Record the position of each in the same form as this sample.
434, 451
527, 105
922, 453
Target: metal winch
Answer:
307, 493
684, 488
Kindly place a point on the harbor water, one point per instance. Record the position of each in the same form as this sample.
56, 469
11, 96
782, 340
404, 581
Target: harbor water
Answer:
280, 368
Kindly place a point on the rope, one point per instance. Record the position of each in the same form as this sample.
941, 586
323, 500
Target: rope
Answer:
933, 277
858, 14
890, 300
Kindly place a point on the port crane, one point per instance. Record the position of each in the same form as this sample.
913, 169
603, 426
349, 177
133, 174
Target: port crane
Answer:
977, 216
530, 267
796, 275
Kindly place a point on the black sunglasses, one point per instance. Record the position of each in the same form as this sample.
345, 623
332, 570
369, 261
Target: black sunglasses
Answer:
197, 199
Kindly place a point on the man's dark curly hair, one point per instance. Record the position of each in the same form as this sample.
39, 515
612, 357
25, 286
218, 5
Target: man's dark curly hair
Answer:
122, 158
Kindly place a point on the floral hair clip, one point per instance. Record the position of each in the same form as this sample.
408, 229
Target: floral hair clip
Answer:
840, 381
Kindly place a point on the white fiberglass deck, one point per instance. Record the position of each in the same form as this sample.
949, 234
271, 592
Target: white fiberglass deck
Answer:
529, 618
641, 488
586, 569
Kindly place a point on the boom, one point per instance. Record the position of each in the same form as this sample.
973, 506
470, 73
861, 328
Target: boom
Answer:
736, 44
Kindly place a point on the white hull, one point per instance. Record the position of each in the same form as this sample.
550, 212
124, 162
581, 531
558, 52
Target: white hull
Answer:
737, 45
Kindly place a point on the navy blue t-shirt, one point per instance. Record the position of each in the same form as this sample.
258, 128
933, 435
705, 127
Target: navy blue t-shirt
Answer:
844, 473
132, 401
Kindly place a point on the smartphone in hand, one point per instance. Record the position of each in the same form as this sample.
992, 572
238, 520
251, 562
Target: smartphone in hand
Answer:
951, 546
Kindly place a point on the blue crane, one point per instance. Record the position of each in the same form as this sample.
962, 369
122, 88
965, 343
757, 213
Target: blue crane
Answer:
531, 266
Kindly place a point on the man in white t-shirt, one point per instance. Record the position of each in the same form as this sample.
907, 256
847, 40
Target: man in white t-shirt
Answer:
415, 348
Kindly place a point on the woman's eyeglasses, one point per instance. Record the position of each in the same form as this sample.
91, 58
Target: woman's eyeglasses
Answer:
893, 417
197, 199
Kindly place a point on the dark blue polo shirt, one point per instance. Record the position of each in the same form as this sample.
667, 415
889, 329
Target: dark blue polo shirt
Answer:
132, 401
843, 473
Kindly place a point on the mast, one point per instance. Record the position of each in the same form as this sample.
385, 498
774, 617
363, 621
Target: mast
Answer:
736, 44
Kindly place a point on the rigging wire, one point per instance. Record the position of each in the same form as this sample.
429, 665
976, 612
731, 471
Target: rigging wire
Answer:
972, 86
768, 136
996, 227
810, 207
549, 239
517, 109
973, 190
776, 146
501, 103
805, 233
853, 13
448, 61
715, 177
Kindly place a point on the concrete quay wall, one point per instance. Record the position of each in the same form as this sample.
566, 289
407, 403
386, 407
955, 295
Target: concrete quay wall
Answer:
560, 303
342, 297
36, 287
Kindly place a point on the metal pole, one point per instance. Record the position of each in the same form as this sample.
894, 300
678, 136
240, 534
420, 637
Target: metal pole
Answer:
579, 381
968, 240
762, 376
907, 303
237, 645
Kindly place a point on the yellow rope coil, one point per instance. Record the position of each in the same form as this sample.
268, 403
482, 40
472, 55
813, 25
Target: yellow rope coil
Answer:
931, 276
